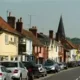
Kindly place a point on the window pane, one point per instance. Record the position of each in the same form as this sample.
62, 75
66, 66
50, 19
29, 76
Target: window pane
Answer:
9, 64
6, 39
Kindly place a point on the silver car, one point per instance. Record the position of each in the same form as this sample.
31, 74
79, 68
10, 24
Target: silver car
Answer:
42, 70
18, 71
4, 75
61, 65
51, 66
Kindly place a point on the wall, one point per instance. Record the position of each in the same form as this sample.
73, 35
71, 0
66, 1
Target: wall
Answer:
53, 51
11, 47
72, 55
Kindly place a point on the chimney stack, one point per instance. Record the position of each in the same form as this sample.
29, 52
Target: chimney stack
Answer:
19, 25
33, 30
51, 34
11, 20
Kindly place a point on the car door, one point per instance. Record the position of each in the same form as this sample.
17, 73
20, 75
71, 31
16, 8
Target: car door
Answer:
23, 70
5, 74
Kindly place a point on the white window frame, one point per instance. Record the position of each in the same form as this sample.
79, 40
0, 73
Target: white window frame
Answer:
6, 39
15, 40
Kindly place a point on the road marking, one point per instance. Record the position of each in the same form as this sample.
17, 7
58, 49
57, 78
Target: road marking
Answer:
79, 76
76, 78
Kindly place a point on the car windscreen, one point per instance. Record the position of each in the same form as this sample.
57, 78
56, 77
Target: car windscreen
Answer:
38, 65
28, 64
59, 64
9, 64
48, 63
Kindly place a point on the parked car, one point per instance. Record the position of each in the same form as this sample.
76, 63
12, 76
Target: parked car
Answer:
18, 71
72, 64
4, 73
42, 70
78, 62
51, 66
63, 65
32, 69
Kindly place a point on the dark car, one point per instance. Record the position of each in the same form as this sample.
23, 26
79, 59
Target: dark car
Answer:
32, 69
72, 64
78, 62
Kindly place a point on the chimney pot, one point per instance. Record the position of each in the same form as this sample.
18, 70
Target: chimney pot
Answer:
9, 14
35, 27
32, 27
41, 33
20, 19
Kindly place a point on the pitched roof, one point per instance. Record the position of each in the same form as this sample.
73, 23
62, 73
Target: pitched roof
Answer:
5, 26
34, 39
68, 44
44, 38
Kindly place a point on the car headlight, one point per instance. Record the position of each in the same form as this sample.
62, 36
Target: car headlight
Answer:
53, 68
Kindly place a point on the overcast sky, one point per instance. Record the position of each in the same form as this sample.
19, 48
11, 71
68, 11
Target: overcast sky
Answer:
45, 14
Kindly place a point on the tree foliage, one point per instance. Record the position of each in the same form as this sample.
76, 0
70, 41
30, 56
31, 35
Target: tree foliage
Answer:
74, 40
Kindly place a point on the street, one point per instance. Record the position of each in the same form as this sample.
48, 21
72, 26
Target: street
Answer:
70, 74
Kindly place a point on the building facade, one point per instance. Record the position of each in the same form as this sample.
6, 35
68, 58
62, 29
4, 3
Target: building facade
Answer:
8, 41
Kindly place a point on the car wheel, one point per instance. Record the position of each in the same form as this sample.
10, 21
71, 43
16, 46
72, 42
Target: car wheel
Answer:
43, 74
20, 77
27, 78
31, 77
56, 70
46, 74
5, 79
38, 76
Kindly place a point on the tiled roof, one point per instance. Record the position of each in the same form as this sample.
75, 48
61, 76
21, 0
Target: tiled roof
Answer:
30, 35
78, 46
5, 26
44, 39
68, 44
